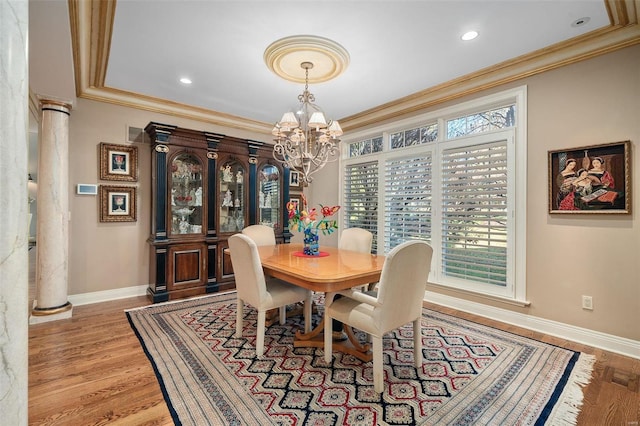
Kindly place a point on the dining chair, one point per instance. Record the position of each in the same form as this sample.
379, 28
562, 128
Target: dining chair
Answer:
397, 302
262, 235
356, 239
252, 288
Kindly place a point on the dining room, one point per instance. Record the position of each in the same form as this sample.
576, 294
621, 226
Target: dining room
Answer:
466, 165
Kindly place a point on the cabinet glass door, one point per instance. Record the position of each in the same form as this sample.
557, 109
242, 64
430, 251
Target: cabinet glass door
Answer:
269, 196
232, 197
186, 194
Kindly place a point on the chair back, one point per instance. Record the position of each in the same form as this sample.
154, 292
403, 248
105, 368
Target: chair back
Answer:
262, 235
356, 239
250, 281
402, 283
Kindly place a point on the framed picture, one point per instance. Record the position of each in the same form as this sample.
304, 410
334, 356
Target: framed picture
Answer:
295, 202
118, 162
591, 179
294, 178
117, 203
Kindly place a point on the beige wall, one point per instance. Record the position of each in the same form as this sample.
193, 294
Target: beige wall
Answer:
592, 102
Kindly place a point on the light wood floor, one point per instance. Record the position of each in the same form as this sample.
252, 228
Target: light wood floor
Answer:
91, 370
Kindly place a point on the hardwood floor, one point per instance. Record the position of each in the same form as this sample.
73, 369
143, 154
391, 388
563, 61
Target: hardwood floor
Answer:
91, 370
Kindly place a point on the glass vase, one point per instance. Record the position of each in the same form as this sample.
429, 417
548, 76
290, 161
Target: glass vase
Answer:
311, 246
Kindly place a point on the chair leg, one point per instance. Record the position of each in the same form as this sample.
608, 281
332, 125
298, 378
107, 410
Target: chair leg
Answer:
260, 332
417, 342
378, 372
239, 318
283, 314
307, 313
328, 339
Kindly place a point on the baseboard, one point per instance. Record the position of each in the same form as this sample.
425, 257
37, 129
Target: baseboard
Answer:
107, 295
619, 345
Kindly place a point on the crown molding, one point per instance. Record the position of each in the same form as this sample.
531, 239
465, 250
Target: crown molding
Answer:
92, 24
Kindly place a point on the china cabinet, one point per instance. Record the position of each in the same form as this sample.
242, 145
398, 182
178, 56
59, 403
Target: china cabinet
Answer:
206, 187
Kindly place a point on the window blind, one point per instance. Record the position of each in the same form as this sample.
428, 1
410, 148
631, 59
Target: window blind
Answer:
474, 213
361, 198
407, 200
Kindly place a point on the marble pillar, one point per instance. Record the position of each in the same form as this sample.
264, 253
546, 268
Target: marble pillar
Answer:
52, 260
14, 214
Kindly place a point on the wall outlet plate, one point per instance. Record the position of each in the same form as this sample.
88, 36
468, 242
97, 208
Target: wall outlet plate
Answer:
587, 303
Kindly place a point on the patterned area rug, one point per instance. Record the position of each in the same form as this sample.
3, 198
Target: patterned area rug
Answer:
471, 374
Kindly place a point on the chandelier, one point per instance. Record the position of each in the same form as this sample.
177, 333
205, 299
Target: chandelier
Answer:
304, 139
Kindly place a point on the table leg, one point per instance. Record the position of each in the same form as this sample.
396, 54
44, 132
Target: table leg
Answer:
351, 346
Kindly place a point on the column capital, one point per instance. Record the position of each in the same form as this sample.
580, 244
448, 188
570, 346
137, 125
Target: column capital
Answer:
62, 105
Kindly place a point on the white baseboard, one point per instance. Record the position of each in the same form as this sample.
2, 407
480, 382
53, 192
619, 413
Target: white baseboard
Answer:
107, 295
619, 345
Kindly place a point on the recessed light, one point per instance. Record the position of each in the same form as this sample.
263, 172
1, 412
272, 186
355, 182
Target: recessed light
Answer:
580, 21
470, 35
185, 80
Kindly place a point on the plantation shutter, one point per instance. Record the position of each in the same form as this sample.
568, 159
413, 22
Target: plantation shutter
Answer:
474, 213
361, 198
407, 200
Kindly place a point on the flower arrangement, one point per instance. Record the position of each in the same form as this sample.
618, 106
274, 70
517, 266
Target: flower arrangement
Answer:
305, 219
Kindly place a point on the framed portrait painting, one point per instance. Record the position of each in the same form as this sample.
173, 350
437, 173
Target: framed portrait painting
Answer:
294, 178
295, 202
591, 179
118, 162
117, 203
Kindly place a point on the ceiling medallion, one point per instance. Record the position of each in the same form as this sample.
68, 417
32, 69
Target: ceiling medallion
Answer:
284, 57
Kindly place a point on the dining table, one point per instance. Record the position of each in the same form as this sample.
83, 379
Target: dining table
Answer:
331, 271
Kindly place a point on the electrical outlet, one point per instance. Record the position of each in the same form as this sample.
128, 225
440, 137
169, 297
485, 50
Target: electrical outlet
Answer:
587, 303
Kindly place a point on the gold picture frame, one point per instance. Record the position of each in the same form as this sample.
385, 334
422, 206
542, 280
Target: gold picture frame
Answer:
591, 179
117, 203
118, 162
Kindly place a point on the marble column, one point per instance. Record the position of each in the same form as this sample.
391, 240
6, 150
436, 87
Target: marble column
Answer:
14, 264
52, 260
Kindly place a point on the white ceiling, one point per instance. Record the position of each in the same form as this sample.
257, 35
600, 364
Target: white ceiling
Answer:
396, 47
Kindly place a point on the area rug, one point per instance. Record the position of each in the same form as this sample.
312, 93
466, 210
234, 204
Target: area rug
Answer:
471, 374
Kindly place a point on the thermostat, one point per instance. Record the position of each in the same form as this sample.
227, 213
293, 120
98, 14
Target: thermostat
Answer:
86, 189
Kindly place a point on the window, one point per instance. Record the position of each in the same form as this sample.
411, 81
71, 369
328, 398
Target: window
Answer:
361, 198
463, 190
407, 202
474, 213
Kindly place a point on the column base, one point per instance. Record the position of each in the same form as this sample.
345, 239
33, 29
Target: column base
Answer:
50, 314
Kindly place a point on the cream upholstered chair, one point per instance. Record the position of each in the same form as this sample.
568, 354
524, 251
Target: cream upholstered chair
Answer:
398, 301
356, 239
252, 288
262, 235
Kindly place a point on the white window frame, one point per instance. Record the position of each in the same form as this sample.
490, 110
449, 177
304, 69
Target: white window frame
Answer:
516, 137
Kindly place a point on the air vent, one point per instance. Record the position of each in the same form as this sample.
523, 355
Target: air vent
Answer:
137, 135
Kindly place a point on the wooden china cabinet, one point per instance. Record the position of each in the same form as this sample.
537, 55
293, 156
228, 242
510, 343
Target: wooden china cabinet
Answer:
205, 188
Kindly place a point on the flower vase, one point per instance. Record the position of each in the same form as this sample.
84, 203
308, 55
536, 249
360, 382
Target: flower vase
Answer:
311, 246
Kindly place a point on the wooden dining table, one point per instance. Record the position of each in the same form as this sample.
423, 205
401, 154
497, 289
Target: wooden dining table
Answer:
332, 271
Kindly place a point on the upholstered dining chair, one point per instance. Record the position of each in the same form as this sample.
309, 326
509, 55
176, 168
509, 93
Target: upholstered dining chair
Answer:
398, 302
262, 235
252, 288
356, 239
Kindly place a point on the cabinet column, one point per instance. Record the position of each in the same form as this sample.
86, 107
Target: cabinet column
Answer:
52, 265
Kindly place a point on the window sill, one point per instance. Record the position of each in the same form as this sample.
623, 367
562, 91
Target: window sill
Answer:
500, 299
